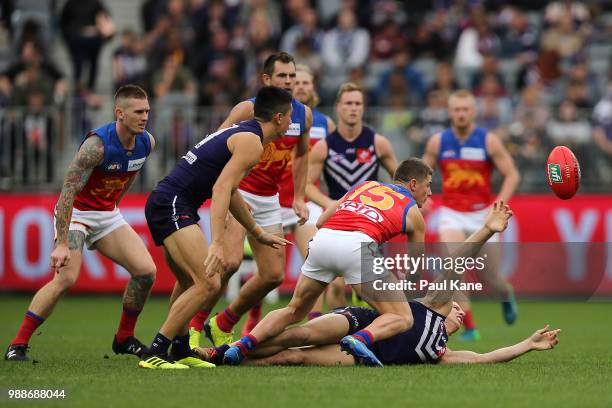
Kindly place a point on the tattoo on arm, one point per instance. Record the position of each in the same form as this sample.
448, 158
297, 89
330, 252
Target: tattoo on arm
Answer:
137, 291
76, 240
88, 157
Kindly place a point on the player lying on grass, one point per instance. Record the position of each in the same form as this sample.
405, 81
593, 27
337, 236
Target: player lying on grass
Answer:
436, 316
424, 343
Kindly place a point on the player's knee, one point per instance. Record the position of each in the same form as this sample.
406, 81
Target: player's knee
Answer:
405, 322
146, 279
231, 266
290, 357
65, 281
273, 278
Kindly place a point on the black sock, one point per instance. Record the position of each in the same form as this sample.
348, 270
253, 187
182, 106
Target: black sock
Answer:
160, 344
180, 346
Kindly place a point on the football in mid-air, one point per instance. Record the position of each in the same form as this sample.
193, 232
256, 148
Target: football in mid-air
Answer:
563, 172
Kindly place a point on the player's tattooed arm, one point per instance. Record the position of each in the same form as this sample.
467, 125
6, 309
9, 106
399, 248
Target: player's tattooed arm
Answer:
87, 158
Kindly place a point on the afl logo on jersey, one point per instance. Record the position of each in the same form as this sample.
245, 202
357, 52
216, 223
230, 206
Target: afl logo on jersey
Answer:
448, 154
113, 167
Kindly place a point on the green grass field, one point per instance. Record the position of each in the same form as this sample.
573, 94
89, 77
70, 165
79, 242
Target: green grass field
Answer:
71, 347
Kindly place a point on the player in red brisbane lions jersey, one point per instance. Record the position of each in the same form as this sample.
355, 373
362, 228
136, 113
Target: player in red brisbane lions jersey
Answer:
260, 191
101, 172
467, 155
369, 214
322, 125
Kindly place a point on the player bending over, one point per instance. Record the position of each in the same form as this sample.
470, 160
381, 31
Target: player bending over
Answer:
368, 215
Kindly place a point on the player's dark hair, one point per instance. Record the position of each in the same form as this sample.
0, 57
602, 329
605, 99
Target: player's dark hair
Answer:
282, 56
413, 168
271, 100
130, 91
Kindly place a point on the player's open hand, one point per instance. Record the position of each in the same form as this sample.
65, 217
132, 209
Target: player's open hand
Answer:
497, 219
544, 339
214, 262
301, 210
59, 257
272, 240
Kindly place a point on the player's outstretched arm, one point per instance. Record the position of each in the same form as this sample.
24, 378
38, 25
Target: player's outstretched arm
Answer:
316, 162
243, 111
543, 339
90, 155
299, 171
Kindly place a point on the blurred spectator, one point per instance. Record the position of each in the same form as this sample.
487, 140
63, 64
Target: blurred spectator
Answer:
86, 25
261, 30
558, 10
129, 62
179, 136
292, 13
428, 43
445, 81
490, 67
519, 39
562, 38
430, 120
173, 78
31, 54
387, 40
494, 109
531, 113
476, 40
397, 119
222, 69
402, 74
578, 93
32, 20
150, 11
568, 127
602, 135
344, 48
38, 139
305, 30
264, 12
305, 55
32, 80
177, 14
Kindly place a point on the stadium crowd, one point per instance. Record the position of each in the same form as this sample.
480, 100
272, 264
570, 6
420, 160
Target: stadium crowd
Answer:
540, 72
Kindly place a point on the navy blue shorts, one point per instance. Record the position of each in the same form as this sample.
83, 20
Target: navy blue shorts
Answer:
358, 317
167, 213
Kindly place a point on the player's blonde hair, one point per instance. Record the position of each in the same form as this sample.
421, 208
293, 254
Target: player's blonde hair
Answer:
348, 87
314, 100
461, 94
